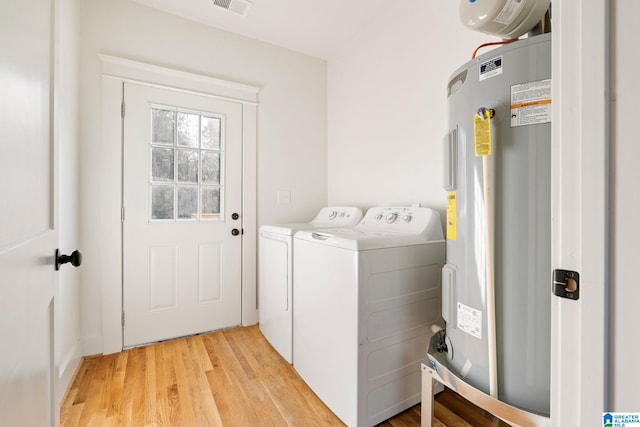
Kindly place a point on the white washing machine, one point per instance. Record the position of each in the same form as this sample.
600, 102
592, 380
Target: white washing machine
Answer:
275, 294
365, 301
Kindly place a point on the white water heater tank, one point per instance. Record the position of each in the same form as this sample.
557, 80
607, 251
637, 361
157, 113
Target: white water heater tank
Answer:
499, 225
508, 19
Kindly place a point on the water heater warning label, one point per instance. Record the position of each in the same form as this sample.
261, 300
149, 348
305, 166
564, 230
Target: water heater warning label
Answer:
491, 68
482, 133
470, 320
531, 103
451, 215
509, 12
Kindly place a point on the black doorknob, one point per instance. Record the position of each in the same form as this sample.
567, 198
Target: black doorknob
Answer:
235, 215
235, 232
75, 258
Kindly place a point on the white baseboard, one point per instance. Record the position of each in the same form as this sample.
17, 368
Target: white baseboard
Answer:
92, 345
67, 370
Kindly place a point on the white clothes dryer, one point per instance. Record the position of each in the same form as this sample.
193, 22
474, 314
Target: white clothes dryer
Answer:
365, 301
275, 280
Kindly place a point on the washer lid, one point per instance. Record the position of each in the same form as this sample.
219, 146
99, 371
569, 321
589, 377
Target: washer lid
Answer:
291, 229
357, 240
383, 228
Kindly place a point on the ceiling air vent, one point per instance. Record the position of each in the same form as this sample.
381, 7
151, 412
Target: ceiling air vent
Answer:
241, 7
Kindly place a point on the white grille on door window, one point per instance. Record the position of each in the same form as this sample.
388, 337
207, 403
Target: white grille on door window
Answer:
186, 153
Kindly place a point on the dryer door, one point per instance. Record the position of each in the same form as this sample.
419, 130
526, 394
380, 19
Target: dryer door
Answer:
275, 291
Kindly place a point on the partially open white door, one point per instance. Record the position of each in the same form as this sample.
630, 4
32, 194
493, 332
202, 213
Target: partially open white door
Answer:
28, 235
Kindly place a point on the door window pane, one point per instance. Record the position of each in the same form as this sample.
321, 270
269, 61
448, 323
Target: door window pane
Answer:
211, 132
210, 202
163, 125
188, 127
187, 160
188, 166
187, 202
161, 202
162, 164
210, 167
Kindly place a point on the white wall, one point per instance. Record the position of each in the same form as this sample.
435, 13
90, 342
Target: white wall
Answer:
625, 346
388, 105
291, 118
67, 309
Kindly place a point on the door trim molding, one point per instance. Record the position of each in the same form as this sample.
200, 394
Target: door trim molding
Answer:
148, 74
579, 209
116, 71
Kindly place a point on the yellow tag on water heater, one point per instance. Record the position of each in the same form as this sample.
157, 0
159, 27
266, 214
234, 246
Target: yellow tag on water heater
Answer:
482, 133
451, 215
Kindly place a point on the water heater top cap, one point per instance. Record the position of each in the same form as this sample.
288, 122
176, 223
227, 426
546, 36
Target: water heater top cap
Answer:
508, 19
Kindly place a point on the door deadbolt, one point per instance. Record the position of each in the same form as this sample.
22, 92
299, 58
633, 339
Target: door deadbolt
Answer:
235, 215
566, 284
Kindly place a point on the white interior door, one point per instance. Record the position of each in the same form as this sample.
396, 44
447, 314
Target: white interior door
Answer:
28, 236
182, 200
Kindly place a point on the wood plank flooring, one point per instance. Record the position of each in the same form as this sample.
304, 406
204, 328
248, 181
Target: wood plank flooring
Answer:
228, 378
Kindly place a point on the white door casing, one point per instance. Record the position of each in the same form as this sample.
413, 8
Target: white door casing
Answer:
181, 263
28, 235
108, 274
579, 206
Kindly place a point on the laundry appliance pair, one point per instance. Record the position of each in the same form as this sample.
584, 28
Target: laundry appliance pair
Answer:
362, 303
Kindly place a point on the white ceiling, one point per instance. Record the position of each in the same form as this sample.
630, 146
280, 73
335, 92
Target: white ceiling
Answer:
314, 27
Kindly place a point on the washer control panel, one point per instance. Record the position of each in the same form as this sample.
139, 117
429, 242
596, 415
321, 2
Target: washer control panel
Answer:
339, 216
390, 215
406, 220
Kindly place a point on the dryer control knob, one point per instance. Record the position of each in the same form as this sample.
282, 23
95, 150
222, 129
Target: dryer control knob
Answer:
333, 215
391, 217
342, 214
379, 217
407, 218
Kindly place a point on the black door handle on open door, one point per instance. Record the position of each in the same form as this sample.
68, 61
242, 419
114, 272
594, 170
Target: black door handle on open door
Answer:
75, 258
235, 232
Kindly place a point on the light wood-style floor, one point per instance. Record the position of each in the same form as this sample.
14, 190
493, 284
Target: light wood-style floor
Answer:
229, 378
